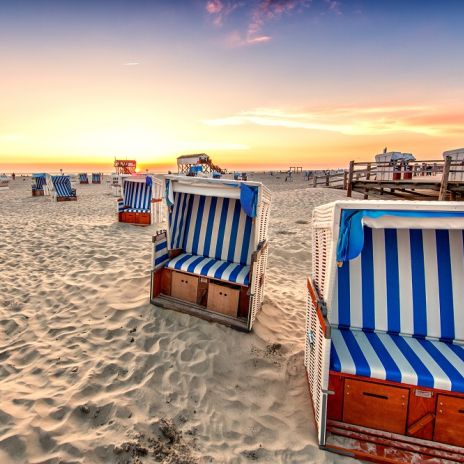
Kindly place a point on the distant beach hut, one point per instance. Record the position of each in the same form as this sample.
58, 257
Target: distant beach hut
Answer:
457, 158
141, 200
83, 178
4, 182
391, 164
211, 261
39, 184
60, 188
385, 330
96, 178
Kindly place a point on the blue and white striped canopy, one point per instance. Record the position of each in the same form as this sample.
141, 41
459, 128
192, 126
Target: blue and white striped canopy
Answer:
83, 177
407, 281
39, 180
96, 178
212, 227
137, 196
62, 185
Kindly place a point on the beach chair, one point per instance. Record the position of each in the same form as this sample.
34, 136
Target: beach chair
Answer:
4, 182
96, 178
211, 261
385, 330
83, 178
39, 185
137, 204
60, 188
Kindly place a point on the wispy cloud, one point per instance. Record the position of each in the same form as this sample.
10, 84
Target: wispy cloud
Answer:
353, 121
131, 63
260, 12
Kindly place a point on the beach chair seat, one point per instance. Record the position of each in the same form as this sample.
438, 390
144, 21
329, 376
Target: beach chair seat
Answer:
209, 267
397, 358
128, 209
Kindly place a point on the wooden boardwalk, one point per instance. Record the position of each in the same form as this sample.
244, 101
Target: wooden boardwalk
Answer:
442, 179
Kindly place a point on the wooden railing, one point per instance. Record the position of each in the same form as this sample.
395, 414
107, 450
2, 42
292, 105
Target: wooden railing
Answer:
451, 174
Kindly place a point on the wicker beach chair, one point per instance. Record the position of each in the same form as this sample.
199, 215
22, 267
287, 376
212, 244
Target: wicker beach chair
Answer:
39, 184
96, 178
211, 261
385, 330
61, 190
83, 178
141, 200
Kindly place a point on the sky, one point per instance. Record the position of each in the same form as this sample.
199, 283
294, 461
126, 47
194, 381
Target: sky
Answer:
256, 84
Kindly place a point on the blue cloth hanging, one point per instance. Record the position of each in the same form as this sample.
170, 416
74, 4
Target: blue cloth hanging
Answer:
249, 199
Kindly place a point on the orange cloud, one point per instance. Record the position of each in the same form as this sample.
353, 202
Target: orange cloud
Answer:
353, 121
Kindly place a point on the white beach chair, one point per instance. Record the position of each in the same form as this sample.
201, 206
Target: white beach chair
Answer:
385, 329
141, 200
4, 182
211, 261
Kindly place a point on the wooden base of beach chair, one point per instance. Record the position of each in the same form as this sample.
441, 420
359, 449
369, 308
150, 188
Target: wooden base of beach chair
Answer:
384, 421
96, 182
66, 198
209, 299
37, 193
141, 219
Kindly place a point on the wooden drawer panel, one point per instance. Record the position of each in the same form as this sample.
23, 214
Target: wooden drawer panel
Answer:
449, 422
376, 406
142, 218
223, 299
184, 287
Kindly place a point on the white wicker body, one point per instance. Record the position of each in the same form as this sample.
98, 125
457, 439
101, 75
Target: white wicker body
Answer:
325, 230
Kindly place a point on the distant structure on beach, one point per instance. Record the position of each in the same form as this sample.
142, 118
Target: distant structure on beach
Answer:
125, 166
196, 163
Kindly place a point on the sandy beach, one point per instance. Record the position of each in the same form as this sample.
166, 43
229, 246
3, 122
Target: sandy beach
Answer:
91, 372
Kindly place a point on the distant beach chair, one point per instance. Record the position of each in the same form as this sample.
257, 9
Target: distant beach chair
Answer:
96, 178
211, 262
83, 178
39, 184
385, 329
60, 188
4, 182
140, 194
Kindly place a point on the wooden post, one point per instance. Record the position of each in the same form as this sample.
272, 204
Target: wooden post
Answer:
314, 181
327, 180
350, 179
368, 176
345, 179
444, 179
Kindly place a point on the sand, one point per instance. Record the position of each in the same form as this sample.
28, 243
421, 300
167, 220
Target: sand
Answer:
91, 372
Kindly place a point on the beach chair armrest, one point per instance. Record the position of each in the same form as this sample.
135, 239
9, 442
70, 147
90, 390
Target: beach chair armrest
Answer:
321, 309
262, 247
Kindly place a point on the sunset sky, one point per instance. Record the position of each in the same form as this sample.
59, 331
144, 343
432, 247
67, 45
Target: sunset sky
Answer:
255, 84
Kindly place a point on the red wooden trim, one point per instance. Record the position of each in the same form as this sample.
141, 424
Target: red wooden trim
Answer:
156, 200
314, 297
